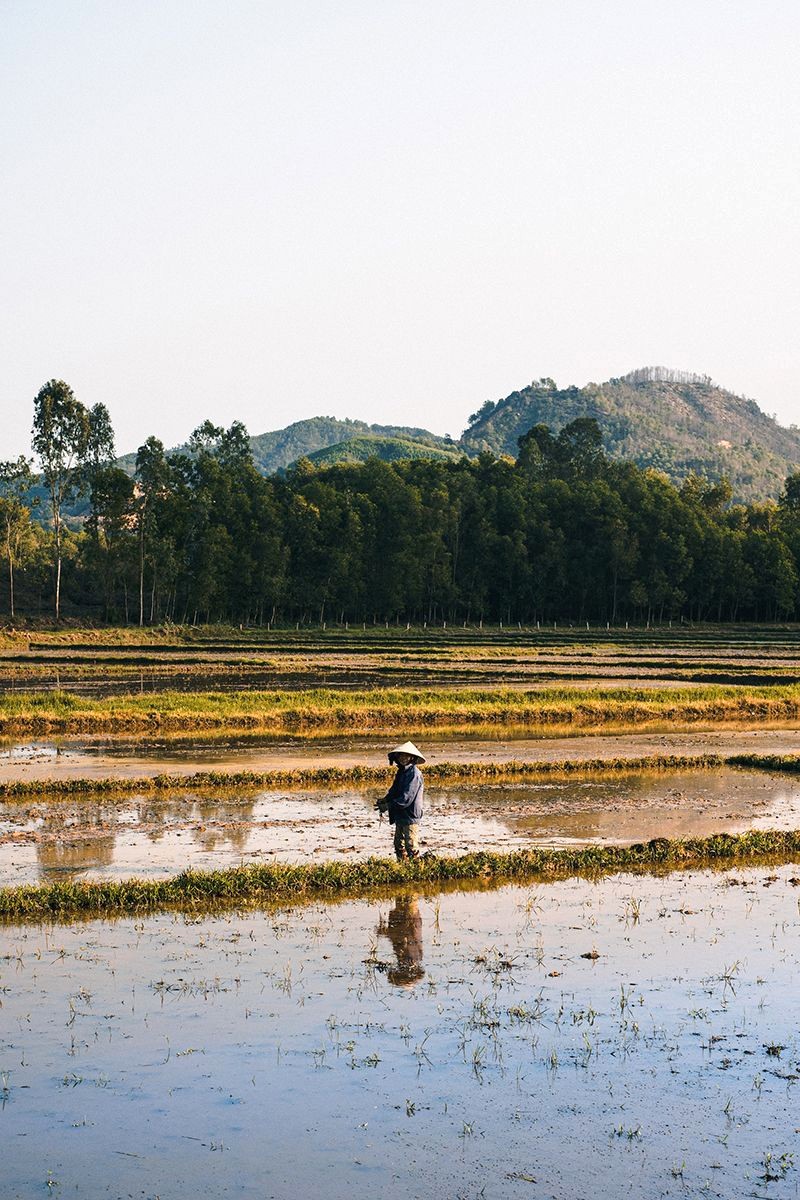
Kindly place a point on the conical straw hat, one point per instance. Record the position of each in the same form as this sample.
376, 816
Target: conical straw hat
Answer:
407, 748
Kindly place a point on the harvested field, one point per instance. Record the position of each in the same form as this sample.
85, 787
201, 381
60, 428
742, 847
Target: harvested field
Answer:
108, 664
386, 710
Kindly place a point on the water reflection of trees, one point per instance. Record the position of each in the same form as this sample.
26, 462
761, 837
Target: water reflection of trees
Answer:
74, 857
212, 823
82, 837
403, 928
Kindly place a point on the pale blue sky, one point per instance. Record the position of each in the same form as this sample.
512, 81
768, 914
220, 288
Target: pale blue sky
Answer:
391, 210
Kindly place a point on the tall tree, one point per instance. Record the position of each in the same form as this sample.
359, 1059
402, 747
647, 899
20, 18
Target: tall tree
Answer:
152, 477
98, 456
61, 431
16, 480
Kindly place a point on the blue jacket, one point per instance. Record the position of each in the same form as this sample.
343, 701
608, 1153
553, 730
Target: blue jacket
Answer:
405, 795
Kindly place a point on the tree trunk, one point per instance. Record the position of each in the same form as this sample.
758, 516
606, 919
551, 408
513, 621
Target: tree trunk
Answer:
57, 522
141, 571
10, 573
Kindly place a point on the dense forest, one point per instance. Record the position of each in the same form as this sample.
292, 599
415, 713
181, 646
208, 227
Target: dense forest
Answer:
562, 533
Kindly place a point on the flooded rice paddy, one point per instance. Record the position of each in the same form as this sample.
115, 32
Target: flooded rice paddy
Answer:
154, 835
378, 657
633, 1037
123, 756
636, 1036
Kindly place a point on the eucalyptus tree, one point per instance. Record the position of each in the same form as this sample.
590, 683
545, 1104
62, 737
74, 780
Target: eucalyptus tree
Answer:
16, 480
61, 433
153, 474
97, 458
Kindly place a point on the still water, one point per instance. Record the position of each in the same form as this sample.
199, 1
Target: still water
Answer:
635, 1037
106, 837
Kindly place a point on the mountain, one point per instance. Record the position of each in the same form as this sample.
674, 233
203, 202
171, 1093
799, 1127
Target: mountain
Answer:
389, 449
276, 450
672, 420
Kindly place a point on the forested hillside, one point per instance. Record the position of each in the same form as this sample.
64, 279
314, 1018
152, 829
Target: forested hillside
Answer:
323, 439
562, 533
388, 449
274, 451
675, 421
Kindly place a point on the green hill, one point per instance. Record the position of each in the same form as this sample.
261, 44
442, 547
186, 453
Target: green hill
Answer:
278, 449
273, 451
389, 449
671, 420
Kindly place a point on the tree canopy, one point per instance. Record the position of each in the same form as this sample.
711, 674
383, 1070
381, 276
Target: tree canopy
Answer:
564, 533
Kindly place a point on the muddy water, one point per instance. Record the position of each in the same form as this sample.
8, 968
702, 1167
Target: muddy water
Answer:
152, 836
102, 757
461, 1045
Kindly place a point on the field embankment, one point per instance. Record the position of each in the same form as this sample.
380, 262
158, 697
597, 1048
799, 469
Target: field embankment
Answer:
356, 776
282, 882
386, 710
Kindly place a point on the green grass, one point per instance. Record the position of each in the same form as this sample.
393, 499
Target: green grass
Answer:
389, 710
276, 882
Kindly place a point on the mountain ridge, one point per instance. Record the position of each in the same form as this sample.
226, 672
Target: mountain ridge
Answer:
675, 421
678, 422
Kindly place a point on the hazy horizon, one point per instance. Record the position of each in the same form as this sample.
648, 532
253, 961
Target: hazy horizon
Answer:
392, 213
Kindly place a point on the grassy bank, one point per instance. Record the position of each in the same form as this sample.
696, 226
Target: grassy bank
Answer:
358, 776
388, 709
276, 882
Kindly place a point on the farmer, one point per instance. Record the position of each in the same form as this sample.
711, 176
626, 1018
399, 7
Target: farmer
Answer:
403, 801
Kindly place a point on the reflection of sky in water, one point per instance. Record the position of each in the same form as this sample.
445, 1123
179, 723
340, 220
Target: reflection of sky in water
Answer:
275, 1053
151, 836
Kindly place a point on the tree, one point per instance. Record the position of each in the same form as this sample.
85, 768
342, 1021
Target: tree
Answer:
152, 477
97, 458
61, 432
16, 480
485, 410
109, 550
790, 497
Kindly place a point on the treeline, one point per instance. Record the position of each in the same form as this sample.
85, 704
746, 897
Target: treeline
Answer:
561, 534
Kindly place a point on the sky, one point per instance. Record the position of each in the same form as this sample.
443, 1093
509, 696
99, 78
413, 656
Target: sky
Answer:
391, 209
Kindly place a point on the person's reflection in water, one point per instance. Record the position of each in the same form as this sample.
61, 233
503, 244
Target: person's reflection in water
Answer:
403, 928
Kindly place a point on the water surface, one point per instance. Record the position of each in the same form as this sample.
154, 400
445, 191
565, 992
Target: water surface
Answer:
636, 1037
103, 837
